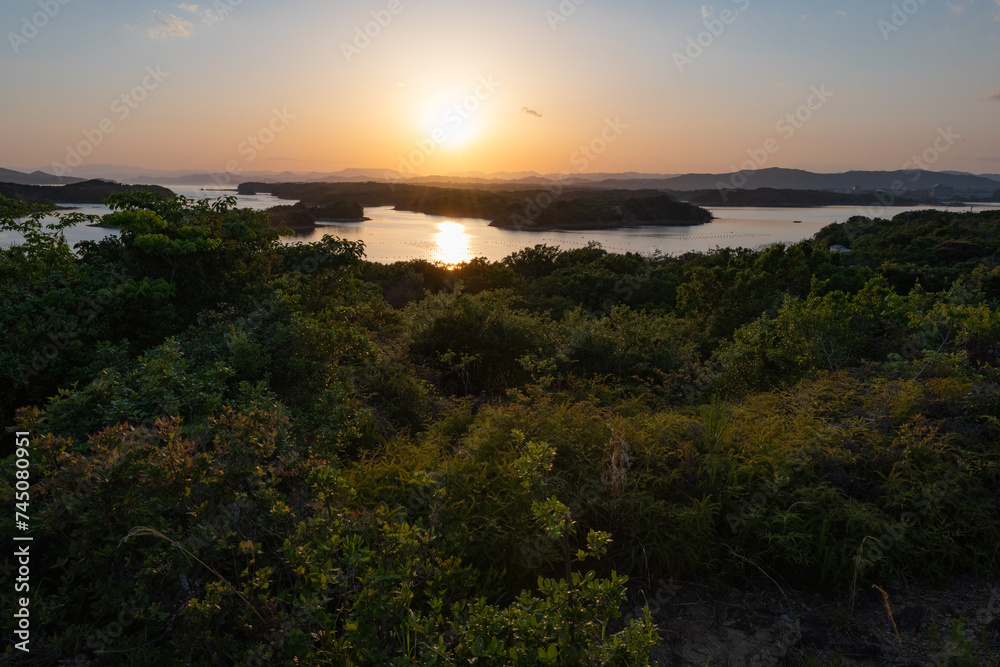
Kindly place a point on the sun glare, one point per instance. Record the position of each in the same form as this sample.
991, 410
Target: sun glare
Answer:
452, 244
454, 120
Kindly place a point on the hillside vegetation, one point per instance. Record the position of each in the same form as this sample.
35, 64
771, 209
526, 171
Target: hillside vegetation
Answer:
252, 453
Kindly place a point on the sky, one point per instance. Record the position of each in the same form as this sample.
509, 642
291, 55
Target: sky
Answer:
553, 86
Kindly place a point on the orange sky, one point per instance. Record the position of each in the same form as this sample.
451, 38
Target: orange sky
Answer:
438, 86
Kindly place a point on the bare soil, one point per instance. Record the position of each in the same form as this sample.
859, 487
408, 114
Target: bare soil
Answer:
767, 623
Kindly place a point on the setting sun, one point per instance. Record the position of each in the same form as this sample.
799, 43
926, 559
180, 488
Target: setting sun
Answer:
455, 116
452, 126
452, 244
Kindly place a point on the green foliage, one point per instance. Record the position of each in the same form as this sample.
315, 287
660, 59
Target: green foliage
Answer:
828, 332
474, 340
957, 650
633, 348
43, 248
255, 453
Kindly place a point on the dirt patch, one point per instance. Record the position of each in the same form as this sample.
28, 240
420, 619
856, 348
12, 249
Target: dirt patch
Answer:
758, 623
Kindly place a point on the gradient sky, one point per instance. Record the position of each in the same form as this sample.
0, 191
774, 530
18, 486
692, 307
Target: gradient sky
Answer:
558, 85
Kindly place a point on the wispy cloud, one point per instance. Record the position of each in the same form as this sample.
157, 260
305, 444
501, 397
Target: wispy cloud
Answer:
207, 16
531, 112
958, 8
170, 25
994, 96
707, 12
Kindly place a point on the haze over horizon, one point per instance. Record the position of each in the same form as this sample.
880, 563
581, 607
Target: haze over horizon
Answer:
437, 87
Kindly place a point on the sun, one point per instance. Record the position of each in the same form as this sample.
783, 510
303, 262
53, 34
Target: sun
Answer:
452, 244
454, 120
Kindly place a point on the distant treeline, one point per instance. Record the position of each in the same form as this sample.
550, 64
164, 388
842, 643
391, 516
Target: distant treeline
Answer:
93, 191
789, 197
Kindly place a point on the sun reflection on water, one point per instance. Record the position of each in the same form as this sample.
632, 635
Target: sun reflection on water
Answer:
452, 244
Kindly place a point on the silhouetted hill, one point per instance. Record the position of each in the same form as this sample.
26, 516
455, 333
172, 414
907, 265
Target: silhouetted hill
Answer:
86, 192
34, 178
778, 178
788, 197
797, 179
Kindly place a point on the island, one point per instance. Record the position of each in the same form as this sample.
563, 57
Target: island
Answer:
300, 217
604, 212
94, 191
510, 207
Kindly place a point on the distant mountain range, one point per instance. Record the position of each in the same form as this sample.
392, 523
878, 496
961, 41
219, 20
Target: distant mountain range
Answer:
995, 177
778, 178
35, 178
128, 174
797, 179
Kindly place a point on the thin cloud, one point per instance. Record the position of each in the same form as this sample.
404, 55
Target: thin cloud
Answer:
994, 96
707, 12
171, 25
207, 16
531, 112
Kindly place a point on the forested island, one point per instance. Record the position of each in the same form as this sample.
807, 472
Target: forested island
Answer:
300, 216
255, 453
525, 209
93, 191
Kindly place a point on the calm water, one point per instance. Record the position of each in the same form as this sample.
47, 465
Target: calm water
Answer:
400, 235
86, 233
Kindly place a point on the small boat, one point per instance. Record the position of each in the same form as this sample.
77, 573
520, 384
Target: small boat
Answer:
796, 222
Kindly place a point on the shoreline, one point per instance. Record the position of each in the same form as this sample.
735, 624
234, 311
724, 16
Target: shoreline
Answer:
339, 220
602, 226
